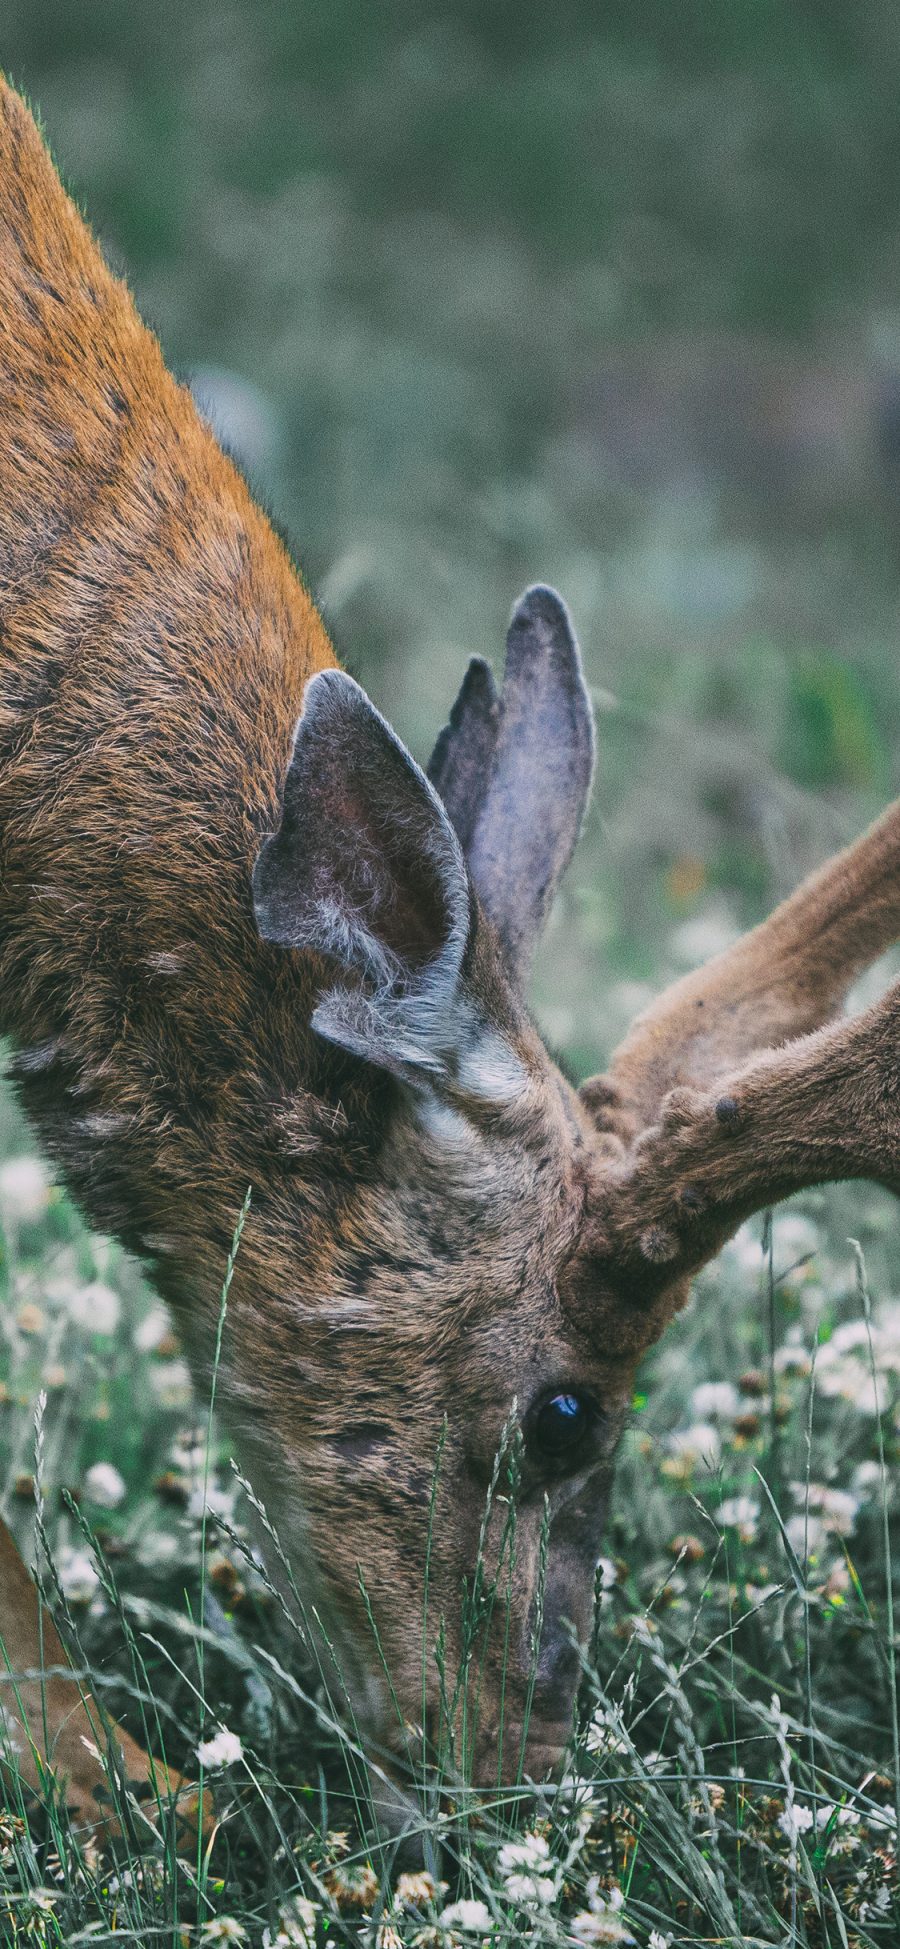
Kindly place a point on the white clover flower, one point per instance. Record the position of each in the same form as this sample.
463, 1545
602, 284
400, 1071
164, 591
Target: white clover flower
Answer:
531, 1890
296, 1926
794, 1821
656, 1940
156, 1547
715, 1401
222, 1928
171, 1383
740, 1513
151, 1331
605, 1732
532, 1852
807, 1535
216, 1501
588, 1927
794, 1236
701, 1442
474, 1918
842, 1816
104, 1485
838, 1509
866, 1479
223, 1749
78, 1574
792, 1358
530, 1875
10, 1732
604, 1920
848, 1379
24, 1190
95, 1308
852, 1336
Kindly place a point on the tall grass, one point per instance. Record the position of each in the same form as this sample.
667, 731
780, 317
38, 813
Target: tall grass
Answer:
732, 1774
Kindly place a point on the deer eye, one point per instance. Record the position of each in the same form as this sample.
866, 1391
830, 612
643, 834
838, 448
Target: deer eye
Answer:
559, 1426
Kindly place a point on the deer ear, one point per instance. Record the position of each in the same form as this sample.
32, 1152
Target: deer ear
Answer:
515, 771
367, 869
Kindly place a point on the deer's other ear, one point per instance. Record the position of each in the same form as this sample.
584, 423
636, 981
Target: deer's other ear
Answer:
367, 869
515, 771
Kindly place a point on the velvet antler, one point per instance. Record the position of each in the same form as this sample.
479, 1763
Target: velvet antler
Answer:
736, 1088
783, 980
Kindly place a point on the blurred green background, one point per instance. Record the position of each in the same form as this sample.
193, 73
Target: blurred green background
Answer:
602, 294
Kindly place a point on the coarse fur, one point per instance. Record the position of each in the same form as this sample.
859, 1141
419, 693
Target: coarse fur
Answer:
244, 940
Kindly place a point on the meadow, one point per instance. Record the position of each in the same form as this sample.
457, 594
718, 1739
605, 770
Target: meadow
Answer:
480, 295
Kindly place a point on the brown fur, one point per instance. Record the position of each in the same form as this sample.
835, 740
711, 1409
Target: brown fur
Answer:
412, 1256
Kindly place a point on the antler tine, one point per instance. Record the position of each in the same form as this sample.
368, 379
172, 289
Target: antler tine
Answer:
826, 1106
784, 979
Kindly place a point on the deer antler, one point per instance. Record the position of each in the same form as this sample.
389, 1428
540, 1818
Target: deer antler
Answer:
824, 1107
783, 980
55, 1729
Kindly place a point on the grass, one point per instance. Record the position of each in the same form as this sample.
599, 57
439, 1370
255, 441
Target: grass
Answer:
412, 255
733, 1776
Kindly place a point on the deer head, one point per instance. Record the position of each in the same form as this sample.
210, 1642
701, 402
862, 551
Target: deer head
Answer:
513, 1246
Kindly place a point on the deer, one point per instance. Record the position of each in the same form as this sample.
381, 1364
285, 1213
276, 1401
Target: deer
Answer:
245, 940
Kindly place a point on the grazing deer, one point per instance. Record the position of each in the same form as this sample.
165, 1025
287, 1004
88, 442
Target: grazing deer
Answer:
245, 940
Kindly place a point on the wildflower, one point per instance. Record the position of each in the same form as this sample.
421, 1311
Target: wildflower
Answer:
847, 1379
528, 1870
866, 1479
104, 1485
656, 1940
473, 1918
353, 1885
223, 1749
31, 1320
415, 1890
171, 1383
794, 1821
77, 1574
296, 1927
605, 1732
794, 1236
95, 1308
223, 1928
688, 1446
603, 1920
841, 1816
152, 1330
24, 1190
792, 1359
715, 1401
853, 1336
807, 1534
837, 1508
740, 1513
216, 1501
10, 1742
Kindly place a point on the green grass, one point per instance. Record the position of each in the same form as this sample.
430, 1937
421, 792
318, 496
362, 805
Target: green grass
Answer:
733, 1774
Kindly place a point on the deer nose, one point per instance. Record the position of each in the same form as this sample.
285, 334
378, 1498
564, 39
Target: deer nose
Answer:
557, 1673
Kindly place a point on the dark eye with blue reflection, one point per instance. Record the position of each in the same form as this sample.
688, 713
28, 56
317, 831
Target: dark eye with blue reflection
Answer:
559, 1426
